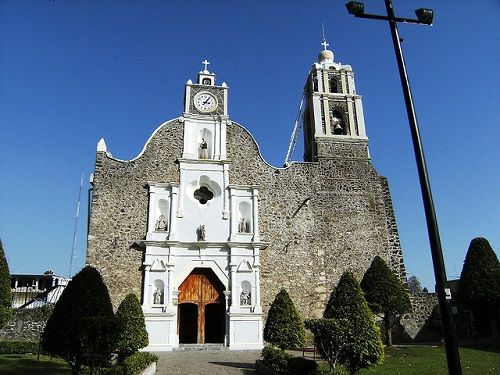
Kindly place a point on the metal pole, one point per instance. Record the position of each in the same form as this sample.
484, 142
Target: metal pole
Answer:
452, 354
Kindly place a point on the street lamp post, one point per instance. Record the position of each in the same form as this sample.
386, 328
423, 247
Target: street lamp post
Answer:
424, 16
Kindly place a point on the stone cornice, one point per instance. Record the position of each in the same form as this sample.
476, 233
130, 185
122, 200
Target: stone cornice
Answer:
201, 244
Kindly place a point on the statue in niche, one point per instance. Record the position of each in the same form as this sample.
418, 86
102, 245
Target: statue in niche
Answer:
245, 298
243, 226
161, 224
203, 149
201, 233
157, 297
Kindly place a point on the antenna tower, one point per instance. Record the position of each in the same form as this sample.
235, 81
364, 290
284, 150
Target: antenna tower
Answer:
73, 249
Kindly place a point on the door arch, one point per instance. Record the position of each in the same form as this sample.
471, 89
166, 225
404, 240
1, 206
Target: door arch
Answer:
201, 309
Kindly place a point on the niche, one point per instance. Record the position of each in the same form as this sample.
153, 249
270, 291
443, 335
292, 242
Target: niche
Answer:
244, 217
205, 144
246, 293
158, 292
161, 224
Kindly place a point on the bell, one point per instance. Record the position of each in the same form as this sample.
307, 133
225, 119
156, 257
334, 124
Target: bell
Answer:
338, 129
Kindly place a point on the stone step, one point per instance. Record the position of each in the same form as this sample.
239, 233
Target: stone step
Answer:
200, 347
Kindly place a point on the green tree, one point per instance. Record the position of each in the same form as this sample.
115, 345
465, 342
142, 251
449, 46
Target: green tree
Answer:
78, 327
385, 294
479, 285
330, 338
284, 327
414, 285
5, 291
363, 345
132, 327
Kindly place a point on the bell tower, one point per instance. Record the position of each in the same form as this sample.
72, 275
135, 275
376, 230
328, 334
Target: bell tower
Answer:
333, 114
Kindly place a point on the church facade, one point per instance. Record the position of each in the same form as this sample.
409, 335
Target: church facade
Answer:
206, 232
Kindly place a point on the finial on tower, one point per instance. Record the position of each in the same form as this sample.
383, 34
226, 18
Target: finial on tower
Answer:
326, 55
206, 63
324, 43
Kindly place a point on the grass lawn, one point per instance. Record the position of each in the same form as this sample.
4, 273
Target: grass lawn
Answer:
423, 360
26, 364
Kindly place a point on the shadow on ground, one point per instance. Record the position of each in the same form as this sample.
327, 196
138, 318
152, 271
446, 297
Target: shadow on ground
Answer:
248, 368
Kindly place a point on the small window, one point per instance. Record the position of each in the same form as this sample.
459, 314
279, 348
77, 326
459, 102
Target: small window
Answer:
203, 195
333, 85
206, 81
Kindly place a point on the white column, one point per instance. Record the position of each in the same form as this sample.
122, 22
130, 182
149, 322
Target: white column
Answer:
255, 207
151, 224
180, 197
168, 296
147, 289
233, 217
173, 216
225, 191
223, 137
258, 308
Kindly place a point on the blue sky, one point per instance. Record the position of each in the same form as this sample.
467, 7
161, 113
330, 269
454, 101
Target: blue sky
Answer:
72, 72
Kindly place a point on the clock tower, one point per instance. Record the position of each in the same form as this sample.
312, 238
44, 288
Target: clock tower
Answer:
205, 118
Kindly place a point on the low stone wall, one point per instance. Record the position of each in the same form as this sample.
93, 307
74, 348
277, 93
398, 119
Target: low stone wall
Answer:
26, 324
413, 326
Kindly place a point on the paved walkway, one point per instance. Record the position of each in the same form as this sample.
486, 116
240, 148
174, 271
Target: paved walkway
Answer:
207, 362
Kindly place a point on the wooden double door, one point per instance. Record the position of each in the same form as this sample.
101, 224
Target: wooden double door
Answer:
201, 308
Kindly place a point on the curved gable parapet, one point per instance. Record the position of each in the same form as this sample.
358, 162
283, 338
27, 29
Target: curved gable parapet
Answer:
240, 136
156, 133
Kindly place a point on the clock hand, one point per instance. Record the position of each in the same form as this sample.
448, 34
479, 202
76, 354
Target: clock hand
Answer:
206, 101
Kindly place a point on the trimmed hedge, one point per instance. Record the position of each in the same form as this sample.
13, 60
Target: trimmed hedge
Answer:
132, 365
18, 347
282, 363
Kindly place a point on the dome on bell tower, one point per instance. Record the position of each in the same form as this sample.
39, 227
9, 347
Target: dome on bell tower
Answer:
326, 55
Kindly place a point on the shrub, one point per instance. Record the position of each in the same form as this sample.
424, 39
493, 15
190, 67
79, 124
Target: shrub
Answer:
301, 366
5, 291
76, 320
132, 327
132, 365
363, 345
385, 294
330, 338
284, 327
434, 321
276, 359
18, 347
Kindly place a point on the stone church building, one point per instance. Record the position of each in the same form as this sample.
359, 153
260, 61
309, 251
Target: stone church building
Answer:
206, 232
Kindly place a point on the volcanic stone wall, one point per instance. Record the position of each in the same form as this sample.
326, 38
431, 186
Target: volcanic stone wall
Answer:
320, 218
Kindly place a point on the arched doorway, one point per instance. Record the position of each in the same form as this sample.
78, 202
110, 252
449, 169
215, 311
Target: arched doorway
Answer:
202, 309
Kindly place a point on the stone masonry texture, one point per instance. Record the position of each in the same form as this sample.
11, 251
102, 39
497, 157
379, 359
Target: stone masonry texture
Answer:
320, 218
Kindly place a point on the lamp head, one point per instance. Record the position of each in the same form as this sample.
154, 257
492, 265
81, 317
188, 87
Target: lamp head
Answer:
355, 8
425, 15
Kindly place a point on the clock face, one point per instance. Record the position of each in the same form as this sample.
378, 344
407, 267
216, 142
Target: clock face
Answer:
205, 102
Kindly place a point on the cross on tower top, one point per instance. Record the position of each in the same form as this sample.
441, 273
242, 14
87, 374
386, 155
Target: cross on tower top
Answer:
324, 44
206, 63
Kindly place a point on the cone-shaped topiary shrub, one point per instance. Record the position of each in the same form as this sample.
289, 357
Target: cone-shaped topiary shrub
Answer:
81, 326
5, 291
284, 327
363, 346
479, 285
385, 294
132, 327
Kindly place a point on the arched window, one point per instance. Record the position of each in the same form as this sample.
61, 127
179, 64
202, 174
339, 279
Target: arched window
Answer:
333, 85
